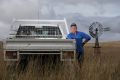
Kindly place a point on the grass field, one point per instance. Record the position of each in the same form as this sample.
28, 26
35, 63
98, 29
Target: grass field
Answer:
105, 66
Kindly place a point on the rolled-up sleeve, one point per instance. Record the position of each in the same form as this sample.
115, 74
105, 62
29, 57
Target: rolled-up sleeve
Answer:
86, 36
68, 36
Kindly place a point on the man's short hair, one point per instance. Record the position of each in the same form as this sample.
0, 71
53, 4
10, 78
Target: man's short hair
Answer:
73, 24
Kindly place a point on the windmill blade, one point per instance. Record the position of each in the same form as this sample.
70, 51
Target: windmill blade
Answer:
107, 29
93, 27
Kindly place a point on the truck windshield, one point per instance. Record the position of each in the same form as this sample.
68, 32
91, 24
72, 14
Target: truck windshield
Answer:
39, 32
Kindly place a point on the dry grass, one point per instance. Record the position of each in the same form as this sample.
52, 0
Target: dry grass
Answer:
103, 67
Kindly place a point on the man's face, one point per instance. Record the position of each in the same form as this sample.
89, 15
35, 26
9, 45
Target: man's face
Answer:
73, 29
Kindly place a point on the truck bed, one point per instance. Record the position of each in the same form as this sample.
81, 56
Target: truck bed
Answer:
39, 44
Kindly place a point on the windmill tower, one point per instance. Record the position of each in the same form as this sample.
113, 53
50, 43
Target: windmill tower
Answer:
96, 30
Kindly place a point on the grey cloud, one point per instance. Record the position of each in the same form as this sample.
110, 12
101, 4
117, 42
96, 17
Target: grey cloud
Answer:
85, 1
28, 9
4, 30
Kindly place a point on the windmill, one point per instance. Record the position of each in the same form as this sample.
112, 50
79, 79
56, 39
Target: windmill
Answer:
96, 30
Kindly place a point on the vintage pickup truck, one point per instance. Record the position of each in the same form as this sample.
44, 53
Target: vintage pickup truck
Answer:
32, 37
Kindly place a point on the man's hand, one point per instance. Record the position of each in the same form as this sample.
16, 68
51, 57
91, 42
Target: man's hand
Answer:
84, 42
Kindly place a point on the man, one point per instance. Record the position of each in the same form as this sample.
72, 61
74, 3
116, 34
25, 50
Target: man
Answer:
78, 36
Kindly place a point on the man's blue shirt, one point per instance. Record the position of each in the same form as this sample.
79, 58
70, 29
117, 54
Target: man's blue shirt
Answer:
79, 36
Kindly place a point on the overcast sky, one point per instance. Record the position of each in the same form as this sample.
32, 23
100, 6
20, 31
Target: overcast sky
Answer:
83, 12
